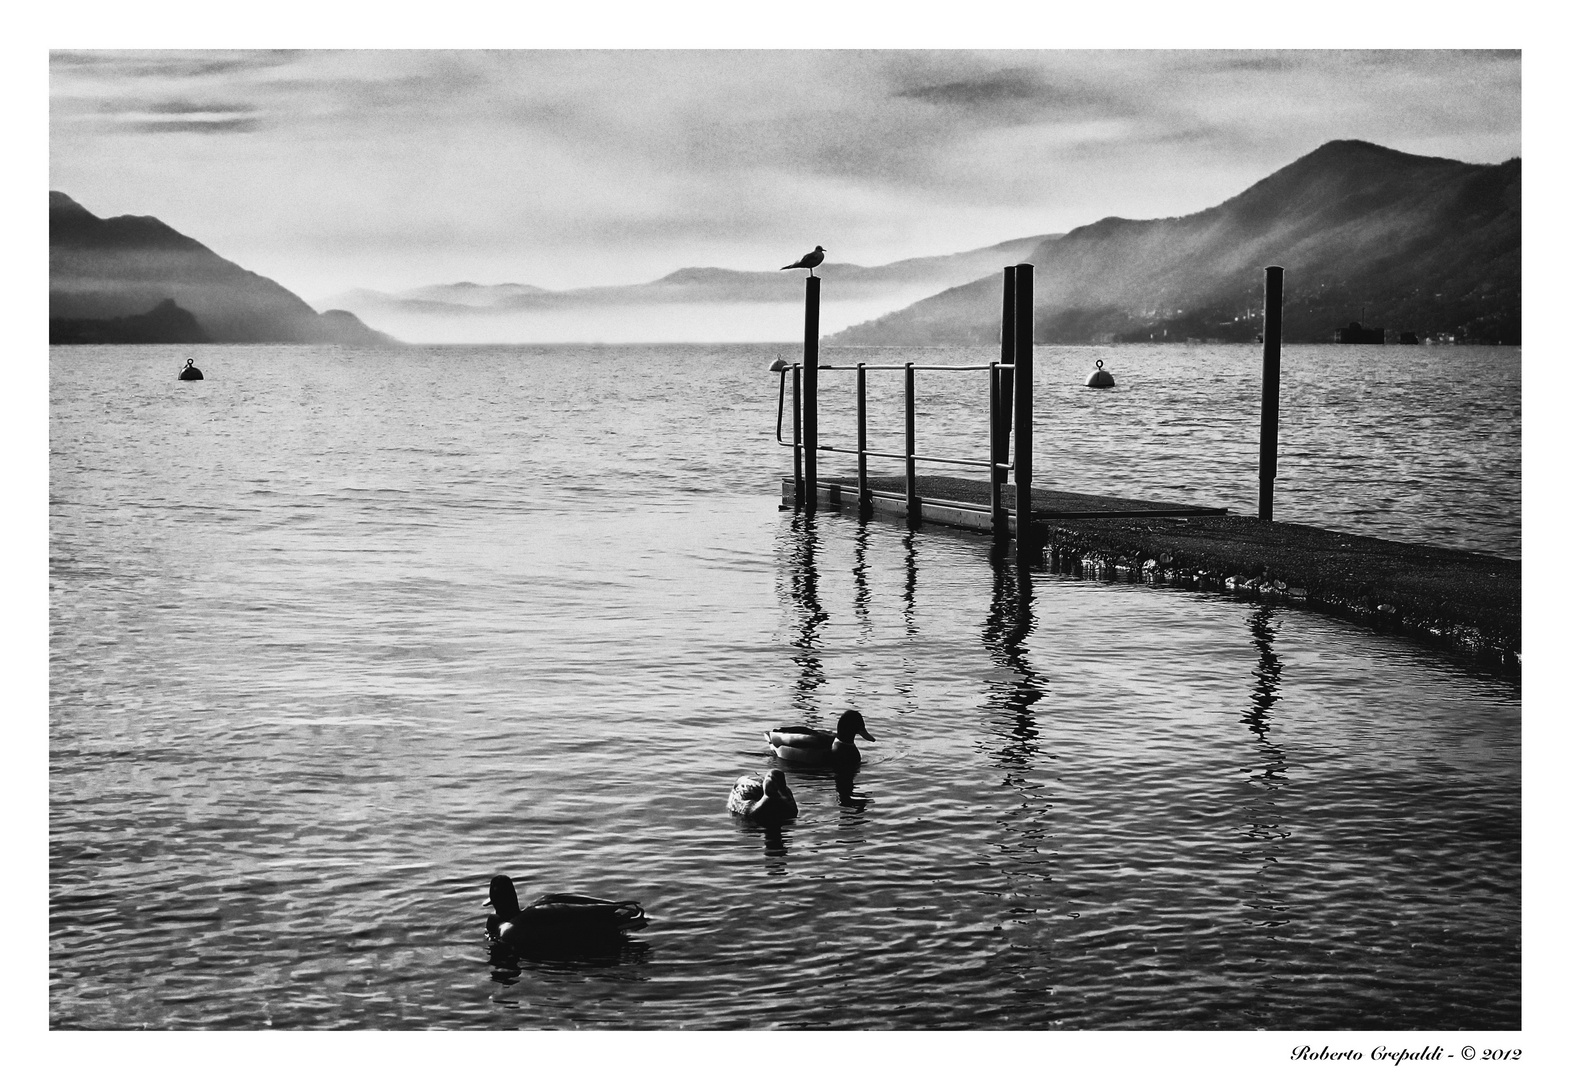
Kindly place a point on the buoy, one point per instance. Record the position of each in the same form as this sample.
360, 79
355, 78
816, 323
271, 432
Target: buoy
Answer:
779, 364
1099, 377
190, 371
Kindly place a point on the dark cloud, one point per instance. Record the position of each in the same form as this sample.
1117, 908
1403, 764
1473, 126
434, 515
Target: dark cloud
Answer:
987, 91
217, 126
182, 108
170, 64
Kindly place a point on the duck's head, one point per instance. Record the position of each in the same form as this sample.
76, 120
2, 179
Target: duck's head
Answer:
503, 896
775, 785
851, 724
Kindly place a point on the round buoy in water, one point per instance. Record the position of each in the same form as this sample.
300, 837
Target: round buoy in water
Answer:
190, 371
1099, 377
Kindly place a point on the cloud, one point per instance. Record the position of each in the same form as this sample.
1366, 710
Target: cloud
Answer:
217, 125
1013, 84
627, 164
167, 64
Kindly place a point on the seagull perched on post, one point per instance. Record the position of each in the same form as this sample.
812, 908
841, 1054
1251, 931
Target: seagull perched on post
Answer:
808, 261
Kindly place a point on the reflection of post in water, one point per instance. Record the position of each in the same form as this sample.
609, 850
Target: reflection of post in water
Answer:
910, 593
1029, 852
1263, 816
1268, 675
803, 578
862, 597
1010, 620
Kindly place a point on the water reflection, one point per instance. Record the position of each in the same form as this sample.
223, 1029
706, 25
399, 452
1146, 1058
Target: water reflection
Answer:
802, 587
776, 844
845, 788
1268, 675
508, 962
1010, 621
862, 594
1263, 817
910, 591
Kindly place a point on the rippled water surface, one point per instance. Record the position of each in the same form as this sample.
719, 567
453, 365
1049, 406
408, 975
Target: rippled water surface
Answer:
336, 635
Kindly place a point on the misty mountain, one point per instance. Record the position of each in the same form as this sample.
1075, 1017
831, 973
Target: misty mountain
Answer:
111, 277
1364, 232
166, 324
897, 281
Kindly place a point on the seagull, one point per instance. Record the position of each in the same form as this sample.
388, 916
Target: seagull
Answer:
808, 261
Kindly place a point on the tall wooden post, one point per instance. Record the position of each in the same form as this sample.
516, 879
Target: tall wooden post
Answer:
1270, 388
1025, 309
913, 504
810, 395
864, 499
1003, 405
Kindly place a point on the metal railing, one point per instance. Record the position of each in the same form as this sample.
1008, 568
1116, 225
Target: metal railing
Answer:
998, 470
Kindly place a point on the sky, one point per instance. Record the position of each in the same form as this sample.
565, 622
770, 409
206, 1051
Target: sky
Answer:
330, 170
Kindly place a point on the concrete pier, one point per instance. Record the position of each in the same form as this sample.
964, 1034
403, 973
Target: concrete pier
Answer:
1464, 603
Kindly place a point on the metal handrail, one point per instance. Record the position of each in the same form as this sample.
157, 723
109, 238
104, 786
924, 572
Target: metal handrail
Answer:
826, 448
910, 457
916, 367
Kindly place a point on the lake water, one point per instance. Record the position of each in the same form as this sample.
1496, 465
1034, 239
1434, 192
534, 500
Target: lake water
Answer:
336, 635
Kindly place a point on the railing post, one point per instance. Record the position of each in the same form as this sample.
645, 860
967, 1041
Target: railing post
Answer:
796, 429
995, 489
1270, 388
913, 504
810, 394
863, 499
1024, 333
1003, 397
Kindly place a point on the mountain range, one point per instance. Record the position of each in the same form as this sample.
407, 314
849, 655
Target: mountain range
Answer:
1423, 245
134, 279
753, 302
1408, 243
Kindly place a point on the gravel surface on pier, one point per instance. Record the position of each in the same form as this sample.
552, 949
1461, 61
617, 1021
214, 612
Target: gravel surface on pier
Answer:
1465, 602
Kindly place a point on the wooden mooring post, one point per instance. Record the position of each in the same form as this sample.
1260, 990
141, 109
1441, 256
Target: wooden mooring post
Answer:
1002, 401
913, 504
810, 397
1025, 308
864, 497
1270, 387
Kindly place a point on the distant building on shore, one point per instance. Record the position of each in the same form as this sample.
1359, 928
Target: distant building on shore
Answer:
1356, 333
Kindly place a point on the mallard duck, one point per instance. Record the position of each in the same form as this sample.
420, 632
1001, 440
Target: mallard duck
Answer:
810, 747
764, 799
557, 918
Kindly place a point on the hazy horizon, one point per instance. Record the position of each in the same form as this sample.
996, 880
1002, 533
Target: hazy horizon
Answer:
334, 170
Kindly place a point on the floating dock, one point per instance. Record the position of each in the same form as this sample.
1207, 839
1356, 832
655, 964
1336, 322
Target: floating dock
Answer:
1466, 603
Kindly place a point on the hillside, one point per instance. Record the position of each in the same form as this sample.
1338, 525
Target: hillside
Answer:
1404, 242
695, 285
124, 278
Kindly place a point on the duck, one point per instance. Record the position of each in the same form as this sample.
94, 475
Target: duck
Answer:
763, 799
557, 918
811, 747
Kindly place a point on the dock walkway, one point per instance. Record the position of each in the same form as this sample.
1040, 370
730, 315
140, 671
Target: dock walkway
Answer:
1464, 602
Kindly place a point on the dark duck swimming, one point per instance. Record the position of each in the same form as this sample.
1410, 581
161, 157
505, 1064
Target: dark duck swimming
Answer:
763, 799
557, 919
808, 746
